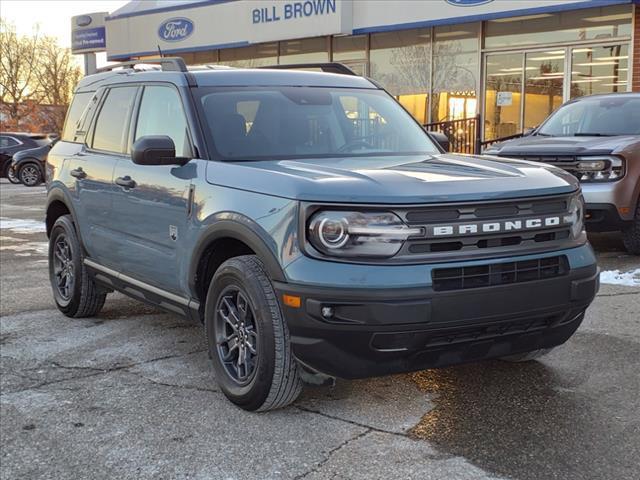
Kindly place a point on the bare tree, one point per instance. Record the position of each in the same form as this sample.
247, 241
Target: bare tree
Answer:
18, 70
58, 75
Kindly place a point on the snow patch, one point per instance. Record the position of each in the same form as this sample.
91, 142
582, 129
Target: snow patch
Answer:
24, 249
616, 277
18, 225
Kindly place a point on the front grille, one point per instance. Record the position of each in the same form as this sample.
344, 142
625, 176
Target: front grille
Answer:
566, 162
462, 278
485, 243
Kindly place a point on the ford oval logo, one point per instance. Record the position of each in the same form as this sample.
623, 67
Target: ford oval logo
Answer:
175, 29
468, 3
83, 20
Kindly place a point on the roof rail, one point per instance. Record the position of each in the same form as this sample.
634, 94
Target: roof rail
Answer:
168, 64
328, 67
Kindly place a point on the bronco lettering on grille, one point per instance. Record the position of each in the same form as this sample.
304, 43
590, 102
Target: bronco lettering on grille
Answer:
478, 228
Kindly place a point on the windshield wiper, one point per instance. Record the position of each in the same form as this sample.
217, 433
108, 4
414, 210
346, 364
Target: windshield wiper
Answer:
543, 134
583, 134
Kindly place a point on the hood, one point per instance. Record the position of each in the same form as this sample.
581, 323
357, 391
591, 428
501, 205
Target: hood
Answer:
394, 179
541, 145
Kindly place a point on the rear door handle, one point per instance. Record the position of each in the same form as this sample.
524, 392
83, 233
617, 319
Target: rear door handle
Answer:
78, 173
126, 182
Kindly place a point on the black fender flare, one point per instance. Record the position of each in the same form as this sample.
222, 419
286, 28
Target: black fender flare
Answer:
241, 228
57, 194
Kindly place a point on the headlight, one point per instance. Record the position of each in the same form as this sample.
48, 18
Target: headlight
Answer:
599, 169
575, 215
358, 234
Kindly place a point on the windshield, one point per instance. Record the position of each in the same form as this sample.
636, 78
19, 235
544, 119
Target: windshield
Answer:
308, 122
606, 116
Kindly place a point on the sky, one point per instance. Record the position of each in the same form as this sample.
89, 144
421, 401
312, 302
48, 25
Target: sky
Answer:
53, 16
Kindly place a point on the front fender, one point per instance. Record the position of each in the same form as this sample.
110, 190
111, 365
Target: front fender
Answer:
239, 227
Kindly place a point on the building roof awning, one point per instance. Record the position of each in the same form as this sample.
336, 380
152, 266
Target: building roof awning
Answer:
142, 7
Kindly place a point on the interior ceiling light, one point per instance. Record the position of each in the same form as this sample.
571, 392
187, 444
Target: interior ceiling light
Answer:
539, 59
595, 64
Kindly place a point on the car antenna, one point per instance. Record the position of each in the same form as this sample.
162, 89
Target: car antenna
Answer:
160, 51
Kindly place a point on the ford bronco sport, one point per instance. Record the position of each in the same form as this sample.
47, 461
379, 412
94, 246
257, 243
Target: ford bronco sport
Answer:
311, 224
597, 139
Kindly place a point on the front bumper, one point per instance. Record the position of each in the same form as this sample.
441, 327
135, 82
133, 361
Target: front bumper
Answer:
382, 331
610, 206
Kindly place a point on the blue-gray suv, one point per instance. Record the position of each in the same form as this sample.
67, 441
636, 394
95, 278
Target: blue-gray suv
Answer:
311, 224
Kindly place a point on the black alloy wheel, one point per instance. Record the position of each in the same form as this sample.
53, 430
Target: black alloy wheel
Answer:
236, 335
63, 268
29, 175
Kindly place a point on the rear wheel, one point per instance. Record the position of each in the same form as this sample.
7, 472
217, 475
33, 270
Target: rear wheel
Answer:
74, 291
30, 175
631, 234
9, 174
248, 337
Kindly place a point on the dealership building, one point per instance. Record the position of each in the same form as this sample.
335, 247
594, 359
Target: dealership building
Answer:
510, 61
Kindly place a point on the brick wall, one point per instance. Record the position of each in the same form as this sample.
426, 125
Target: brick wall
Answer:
635, 85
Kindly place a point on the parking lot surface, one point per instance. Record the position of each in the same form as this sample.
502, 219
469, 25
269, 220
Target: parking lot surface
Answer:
130, 394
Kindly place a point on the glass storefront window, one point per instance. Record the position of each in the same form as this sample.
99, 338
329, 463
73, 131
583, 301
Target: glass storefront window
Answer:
455, 72
205, 58
577, 25
349, 48
401, 62
544, 80
308, 50
599, 69
503, 95
259, 55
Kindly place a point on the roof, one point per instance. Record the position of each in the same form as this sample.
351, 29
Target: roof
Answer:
227, 77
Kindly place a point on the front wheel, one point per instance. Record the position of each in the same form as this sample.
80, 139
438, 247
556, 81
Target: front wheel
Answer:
631, 234
248, 337
30, 175
74, 291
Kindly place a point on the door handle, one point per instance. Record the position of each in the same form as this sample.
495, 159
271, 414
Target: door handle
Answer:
126, 182
78, 173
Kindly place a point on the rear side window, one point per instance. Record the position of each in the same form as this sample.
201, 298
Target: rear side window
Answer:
111, 125
161, 113
78, 105
6, 142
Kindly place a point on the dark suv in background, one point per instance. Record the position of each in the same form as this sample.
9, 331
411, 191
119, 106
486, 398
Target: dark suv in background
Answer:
311, 224
12, 143
28, 166
596, 139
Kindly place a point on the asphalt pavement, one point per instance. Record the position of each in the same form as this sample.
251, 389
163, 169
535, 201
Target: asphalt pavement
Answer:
130, 394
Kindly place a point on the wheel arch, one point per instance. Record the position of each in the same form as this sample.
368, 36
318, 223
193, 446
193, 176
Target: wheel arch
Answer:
59, 204
227, 238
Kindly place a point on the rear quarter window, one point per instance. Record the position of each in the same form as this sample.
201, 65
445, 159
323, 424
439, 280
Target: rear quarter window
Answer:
74, 114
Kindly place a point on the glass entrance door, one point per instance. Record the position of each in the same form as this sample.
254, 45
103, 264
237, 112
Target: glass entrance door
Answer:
523, 88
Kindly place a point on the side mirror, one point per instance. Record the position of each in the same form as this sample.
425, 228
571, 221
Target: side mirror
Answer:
441, 139
155, 150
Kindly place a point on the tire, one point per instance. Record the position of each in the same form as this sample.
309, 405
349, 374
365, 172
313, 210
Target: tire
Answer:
269, 379
7, 173
631, 234
526, 356
78, 296
30, 175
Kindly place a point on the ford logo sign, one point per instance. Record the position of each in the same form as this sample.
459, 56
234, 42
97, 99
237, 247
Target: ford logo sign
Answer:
467, 3
83, 20
175, 29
